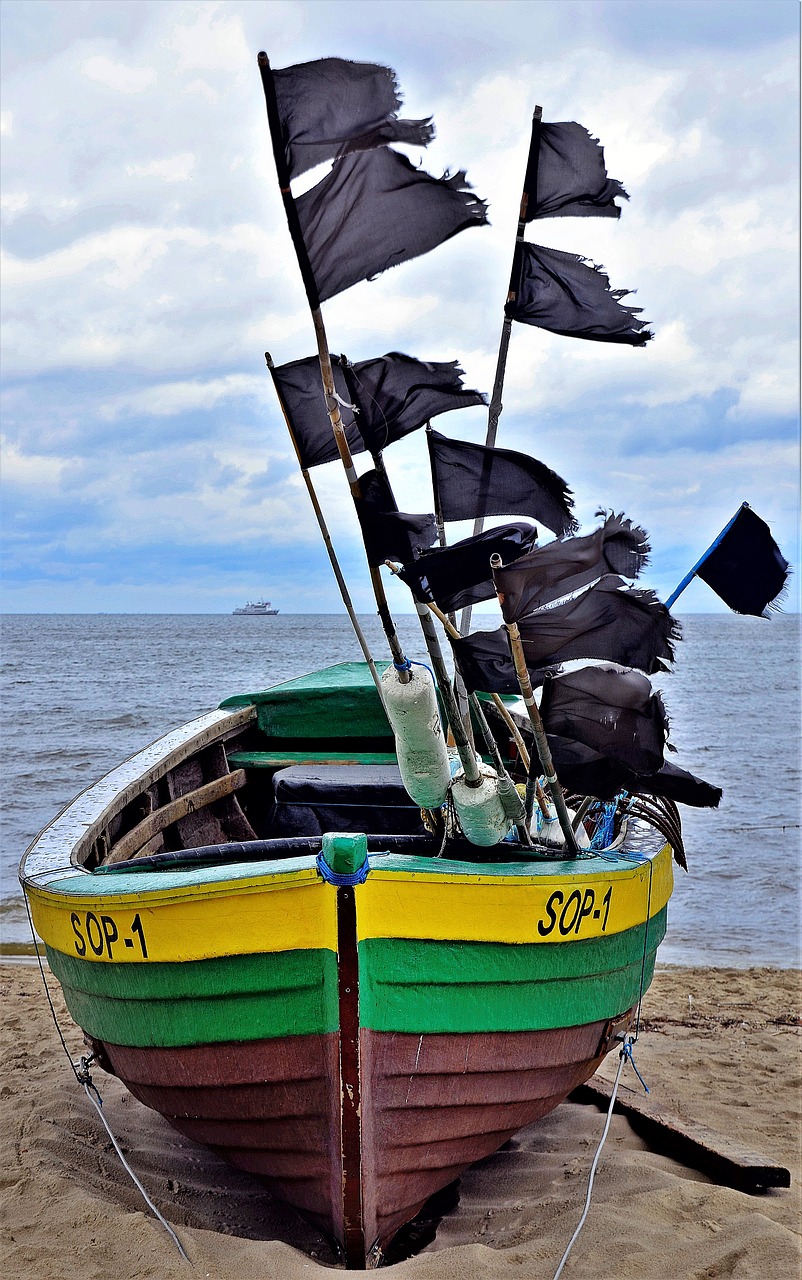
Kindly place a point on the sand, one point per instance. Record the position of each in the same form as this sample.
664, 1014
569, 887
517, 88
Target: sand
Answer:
717, 1046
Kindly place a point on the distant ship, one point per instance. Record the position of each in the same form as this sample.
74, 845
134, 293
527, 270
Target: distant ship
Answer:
258, 609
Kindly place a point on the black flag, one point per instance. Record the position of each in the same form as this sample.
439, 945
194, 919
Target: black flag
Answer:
572, 180
547, 573
565, 294
678, 785
457, 576
485, 662
393, 394
607, 621
396, 394
389, 534
616, 713
744, 566
375, 210
471, 480
332, 107
587, 772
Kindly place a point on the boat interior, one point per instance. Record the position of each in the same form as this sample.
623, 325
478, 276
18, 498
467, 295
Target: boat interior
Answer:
311, 756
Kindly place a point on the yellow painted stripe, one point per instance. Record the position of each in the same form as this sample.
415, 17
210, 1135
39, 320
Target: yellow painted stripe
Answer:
188, 926
298, 911
547, 909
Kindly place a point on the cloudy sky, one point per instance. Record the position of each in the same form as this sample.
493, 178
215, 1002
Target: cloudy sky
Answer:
147, 267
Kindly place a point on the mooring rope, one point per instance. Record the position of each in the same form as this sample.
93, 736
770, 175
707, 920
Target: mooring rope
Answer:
624, 1056
83, 1077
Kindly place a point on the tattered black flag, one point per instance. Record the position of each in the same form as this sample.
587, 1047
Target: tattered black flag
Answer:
607, 621
396, 394
332, 107
615, 713
393, 394
589, 773
457, 576
744, 566
471, 480
586, 772
572, 179
485, 662
564, 293
678, 785
389, 534
375, 210
547, 573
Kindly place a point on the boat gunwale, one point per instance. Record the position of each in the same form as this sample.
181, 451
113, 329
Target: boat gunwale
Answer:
79, 829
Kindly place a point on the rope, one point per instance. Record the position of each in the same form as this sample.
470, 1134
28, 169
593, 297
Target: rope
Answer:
624, 1056
83, 1077
341, 877
90, 1089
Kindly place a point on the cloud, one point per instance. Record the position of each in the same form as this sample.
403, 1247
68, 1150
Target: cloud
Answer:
148, 266
171, 169
166, 400
117, 75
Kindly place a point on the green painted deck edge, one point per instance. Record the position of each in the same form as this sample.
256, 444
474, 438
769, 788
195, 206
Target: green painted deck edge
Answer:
278, 759
252, 997
421, 987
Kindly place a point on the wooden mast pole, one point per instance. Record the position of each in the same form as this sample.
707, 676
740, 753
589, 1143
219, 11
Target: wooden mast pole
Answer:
541, 741
324, 533
326, 373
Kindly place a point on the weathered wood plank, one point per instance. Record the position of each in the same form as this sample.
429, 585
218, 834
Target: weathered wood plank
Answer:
722, 1158
173, 812
104, 800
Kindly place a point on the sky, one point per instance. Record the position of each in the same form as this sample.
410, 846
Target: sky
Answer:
147, 267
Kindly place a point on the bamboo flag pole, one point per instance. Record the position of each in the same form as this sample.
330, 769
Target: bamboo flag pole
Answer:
510, 798
541, 741
476, 708
324, 533
496, 406
530, 188
326, 373
459, 687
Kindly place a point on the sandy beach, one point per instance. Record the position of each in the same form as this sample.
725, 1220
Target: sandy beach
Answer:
717, 1046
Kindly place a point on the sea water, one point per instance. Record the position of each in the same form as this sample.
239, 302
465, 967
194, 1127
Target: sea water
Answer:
82, 692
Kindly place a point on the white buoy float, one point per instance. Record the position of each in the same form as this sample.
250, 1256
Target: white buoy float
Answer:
480, 809
419, 741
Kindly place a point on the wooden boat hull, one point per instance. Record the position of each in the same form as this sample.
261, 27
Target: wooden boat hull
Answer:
355, 1045
433, 1105
357, 1072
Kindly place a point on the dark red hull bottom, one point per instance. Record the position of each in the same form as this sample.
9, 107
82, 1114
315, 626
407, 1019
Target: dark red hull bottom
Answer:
430, 1106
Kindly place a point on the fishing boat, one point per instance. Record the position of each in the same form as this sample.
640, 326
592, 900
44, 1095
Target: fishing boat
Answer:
350, 1016
256, 609
353, 931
